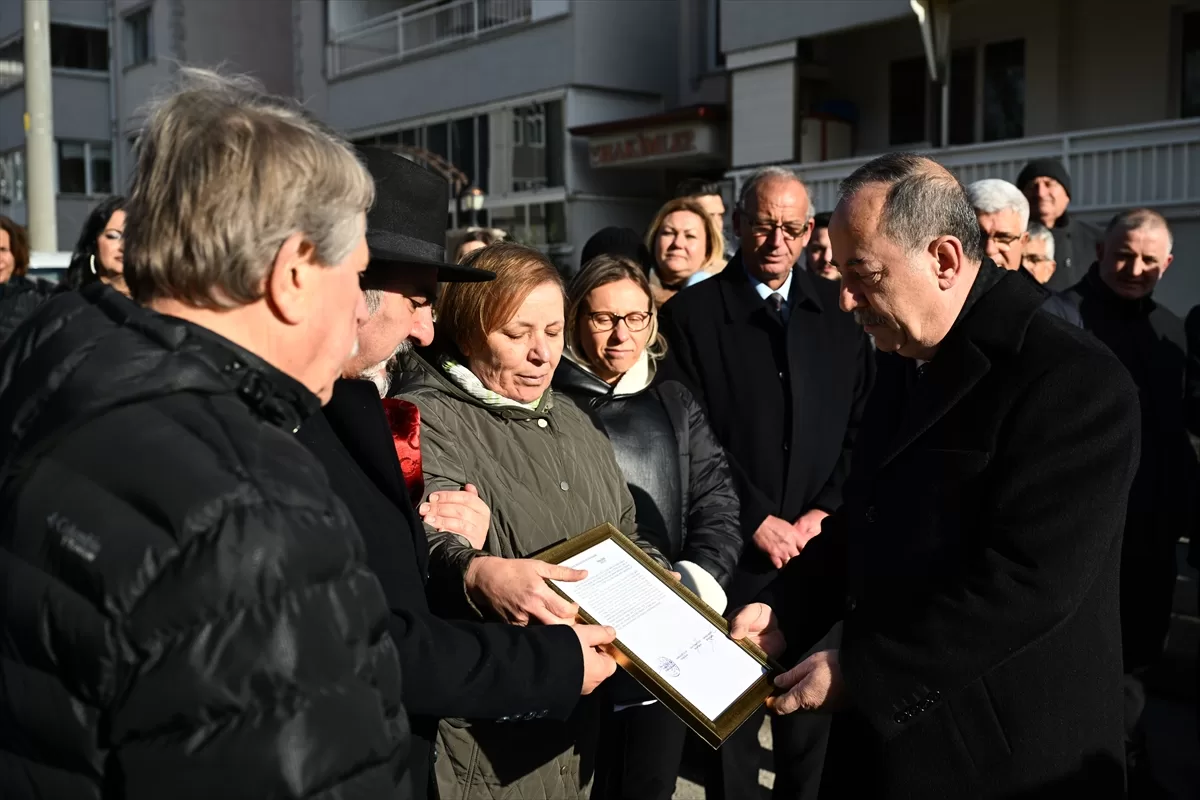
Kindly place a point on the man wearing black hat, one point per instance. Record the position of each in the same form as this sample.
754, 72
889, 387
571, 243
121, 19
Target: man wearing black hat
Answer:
1047, 184
370, 448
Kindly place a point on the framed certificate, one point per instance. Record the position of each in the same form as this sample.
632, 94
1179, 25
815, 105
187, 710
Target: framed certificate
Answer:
667, 638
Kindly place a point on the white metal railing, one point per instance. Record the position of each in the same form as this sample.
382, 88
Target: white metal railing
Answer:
418, 28
1156, 164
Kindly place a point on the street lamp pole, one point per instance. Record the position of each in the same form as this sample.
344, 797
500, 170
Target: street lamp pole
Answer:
39, 129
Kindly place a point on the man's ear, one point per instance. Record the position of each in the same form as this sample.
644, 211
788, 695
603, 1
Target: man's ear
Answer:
287, 286
947, 252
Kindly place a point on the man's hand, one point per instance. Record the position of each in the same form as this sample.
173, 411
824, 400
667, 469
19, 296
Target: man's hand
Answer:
779, 540
757, 622
458, 512
809, 525
598, 664
815, 684
516, 589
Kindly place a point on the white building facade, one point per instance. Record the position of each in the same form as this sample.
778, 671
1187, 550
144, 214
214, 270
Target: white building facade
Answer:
1111, 88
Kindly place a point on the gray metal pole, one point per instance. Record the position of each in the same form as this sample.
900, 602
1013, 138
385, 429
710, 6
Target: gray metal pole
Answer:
39, 128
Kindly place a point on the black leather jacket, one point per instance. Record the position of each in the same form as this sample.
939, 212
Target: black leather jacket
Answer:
676, 469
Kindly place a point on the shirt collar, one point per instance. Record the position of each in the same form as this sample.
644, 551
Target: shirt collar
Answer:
765, 291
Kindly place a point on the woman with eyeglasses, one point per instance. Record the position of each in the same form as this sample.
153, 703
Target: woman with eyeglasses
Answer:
687, 247
681, 484
99, 254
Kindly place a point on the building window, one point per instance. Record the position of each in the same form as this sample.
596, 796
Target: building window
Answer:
12, 178
84, 168
1190, 83
79, 48
12, 64
139, 41
908, 90
1004, 90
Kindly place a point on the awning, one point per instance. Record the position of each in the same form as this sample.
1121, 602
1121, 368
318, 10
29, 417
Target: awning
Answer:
685, 137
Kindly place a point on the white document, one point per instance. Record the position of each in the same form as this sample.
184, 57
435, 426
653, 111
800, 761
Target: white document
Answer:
691, 654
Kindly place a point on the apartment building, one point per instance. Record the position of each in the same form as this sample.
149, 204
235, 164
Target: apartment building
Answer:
568, 115
1110, 87
107, 59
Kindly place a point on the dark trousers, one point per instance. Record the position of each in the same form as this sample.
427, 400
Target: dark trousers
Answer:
798, 743
639, 754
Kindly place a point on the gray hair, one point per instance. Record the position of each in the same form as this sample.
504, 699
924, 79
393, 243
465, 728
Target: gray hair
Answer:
1039, 231
1135, 218
225, 174
768, 174
992, 195
374, 299
924, 201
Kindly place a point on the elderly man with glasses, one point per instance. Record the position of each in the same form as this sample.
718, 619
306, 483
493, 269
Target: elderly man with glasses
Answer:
1003, 214
784, 375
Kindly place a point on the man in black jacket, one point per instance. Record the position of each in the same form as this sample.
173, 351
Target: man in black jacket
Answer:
1117, 305
188, 612
451, 668
784, 375
976, 557
1047, 185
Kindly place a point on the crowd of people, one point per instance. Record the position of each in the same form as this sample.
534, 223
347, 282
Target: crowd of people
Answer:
275, 471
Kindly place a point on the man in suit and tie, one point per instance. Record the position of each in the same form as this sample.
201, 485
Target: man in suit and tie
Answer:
783, 374
975, 560
372, 455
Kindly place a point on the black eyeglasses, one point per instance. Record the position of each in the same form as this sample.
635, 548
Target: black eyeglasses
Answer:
634, 322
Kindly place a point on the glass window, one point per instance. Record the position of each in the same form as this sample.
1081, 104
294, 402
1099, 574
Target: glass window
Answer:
437, 140
485, 153
12, 64
1190, 84
462, 148
72, 168
389, 139
79, 48
12, 177
1004, 90
100, 161
138, 42
409, 137
907, 95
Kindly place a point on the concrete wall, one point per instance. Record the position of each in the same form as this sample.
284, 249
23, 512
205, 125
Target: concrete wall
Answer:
753, 23
246, 37
510, 64
1180, 287
633, 52
586, 216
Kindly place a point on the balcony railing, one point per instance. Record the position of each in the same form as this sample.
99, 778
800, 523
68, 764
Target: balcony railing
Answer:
1156, 164
419, 28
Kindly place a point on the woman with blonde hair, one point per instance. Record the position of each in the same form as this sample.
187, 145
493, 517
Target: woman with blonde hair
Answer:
490, 418
681, 484
687, 247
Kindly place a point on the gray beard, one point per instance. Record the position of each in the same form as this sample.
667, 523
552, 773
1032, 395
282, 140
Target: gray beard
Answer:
381, 373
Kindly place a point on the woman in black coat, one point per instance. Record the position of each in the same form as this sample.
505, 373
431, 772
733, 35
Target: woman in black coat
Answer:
681, 483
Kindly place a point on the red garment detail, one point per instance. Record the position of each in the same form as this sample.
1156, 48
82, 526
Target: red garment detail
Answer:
405, 421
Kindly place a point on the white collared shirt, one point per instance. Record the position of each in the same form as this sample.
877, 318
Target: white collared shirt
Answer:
765, 291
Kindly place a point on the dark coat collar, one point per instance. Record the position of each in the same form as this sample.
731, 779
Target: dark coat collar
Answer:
742, 302
991, 327
1093, 288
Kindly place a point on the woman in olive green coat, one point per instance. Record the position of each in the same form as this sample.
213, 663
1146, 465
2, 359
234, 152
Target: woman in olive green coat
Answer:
488, 418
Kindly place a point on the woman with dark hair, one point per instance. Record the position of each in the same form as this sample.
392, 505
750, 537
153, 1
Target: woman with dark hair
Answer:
14, 250
682, 488
476, 239
19, 294
99, 254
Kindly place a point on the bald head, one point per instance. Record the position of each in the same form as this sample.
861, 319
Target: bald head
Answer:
1136, 252
907, 243
774, 221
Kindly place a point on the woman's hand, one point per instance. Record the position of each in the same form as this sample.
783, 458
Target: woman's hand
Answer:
463, 513
516, 589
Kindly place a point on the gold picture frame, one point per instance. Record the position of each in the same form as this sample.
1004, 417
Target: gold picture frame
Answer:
713, 732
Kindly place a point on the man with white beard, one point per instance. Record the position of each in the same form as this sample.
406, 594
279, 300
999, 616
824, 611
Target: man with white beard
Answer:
370, 446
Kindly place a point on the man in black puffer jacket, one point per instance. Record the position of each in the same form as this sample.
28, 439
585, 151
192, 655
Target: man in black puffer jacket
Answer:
188, 613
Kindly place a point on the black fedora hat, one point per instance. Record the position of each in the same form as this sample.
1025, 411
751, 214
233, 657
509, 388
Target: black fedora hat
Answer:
406, 226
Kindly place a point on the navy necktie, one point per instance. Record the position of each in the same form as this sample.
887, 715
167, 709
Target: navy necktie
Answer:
775, 301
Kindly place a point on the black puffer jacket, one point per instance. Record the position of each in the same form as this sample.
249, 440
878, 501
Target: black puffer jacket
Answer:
682, 486
19, 298
186, 612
